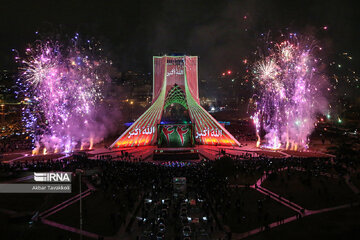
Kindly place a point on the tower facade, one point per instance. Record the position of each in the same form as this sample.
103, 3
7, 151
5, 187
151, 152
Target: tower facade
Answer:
175, 80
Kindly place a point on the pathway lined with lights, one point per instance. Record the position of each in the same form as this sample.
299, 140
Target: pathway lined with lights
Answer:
7, 211
301, 212
18, 158
279, 199
70, 201
47, 213
70, 229
288, 220
29, 155
19, 179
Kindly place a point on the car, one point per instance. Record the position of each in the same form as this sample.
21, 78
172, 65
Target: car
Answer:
161, 227
160, 220
186, 231
165, 201
147, 200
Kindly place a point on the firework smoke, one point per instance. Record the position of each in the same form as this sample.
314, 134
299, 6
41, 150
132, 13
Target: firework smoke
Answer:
63, 86
289, 87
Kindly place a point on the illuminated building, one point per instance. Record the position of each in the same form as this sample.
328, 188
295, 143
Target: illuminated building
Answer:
175, 81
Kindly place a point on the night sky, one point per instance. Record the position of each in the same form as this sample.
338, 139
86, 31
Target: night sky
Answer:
222, 33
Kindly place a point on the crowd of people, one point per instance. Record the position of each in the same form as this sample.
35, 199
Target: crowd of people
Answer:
125, 181
12, 144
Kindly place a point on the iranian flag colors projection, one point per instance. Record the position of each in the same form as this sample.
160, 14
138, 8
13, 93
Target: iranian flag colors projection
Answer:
175, 135
175, 81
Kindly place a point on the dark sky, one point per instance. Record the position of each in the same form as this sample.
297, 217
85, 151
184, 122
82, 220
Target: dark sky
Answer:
133, 31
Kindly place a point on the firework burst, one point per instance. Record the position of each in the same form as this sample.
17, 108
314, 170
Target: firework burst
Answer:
63, 84
289, 87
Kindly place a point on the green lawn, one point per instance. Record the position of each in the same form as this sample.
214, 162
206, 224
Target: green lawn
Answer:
310, 192
249, 209
341, 224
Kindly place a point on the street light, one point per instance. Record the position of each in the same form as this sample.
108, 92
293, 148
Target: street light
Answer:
2, 114
131, 109
80, 171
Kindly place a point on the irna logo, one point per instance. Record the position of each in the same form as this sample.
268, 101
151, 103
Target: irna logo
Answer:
52, 177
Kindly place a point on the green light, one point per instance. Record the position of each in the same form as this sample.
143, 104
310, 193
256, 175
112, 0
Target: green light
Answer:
328, 116
339, 120
176, 95
297, 123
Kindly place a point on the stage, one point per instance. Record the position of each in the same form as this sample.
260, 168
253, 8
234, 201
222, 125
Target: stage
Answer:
157, 154
200, 152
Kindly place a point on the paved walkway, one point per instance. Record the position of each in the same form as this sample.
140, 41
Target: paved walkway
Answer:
257, 186
302, 212
7, 211
122, 234
47, 213
29, 155
64, 204
21, 179
288, 220
53, 210
70, 229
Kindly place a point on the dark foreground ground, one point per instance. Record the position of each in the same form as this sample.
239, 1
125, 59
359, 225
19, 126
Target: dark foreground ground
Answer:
250, 197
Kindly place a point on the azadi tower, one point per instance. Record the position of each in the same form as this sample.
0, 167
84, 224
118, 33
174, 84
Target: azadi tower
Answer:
175, 81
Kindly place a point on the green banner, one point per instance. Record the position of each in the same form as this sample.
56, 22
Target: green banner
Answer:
175, 135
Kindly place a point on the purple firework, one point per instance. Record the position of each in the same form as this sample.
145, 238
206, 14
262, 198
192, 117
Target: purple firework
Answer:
289, 87
63, 84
